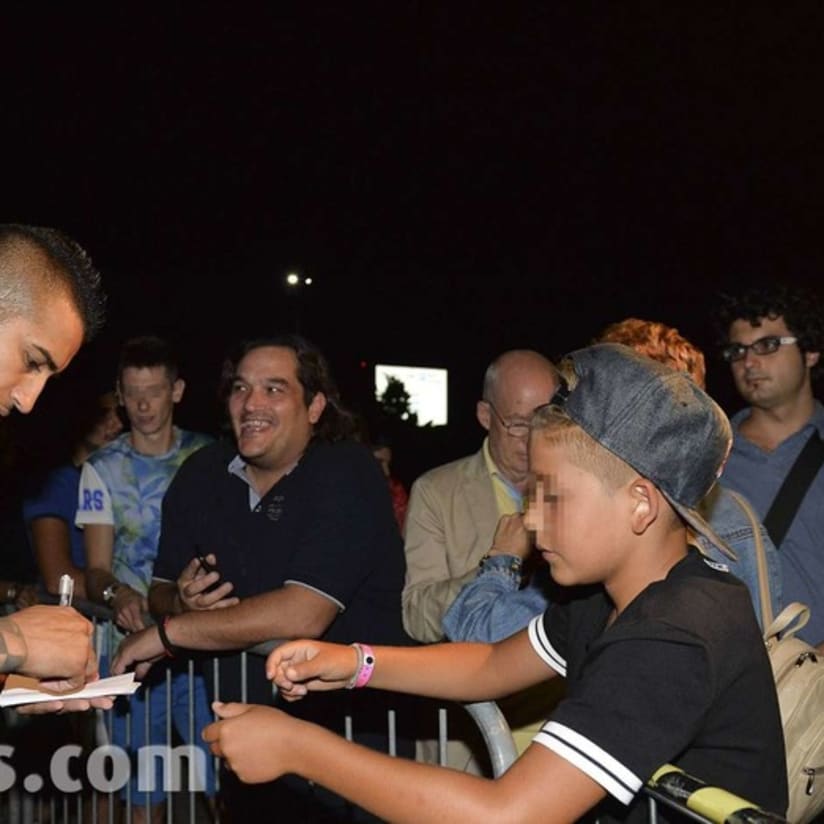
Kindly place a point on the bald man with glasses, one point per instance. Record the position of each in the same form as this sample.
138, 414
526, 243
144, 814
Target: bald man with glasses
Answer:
454, 510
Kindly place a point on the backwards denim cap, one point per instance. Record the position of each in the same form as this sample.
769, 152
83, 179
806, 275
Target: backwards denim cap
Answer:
655, 419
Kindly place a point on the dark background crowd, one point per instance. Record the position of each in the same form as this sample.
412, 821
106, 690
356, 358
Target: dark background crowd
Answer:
455, 182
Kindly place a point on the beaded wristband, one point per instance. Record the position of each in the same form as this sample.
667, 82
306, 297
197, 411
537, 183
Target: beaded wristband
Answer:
168, 647
366, 664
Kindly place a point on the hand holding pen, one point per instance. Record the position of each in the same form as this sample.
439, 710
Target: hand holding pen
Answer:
199, 585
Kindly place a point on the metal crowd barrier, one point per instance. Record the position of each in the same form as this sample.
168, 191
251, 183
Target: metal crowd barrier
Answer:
698, 801
670, 787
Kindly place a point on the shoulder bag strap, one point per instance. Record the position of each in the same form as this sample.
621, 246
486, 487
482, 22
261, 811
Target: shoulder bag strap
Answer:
789, 497
761, 559
793, 618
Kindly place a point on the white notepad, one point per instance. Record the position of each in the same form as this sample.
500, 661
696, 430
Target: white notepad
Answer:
19, 689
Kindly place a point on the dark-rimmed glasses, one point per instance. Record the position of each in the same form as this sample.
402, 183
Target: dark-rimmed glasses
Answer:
519, 429
763, 346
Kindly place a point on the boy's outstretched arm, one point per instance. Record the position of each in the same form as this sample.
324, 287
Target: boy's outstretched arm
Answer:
451, 671
261, 743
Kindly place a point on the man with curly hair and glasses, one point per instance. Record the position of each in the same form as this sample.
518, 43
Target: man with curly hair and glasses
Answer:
772, 339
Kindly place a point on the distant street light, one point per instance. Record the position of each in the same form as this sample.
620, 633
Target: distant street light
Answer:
293, 283
294, 279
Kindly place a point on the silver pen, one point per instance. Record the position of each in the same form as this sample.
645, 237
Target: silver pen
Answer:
66, 590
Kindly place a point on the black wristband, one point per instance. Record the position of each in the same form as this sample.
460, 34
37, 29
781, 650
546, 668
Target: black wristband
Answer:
168, 646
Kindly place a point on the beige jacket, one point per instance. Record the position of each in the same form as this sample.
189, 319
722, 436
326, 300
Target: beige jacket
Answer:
450, 523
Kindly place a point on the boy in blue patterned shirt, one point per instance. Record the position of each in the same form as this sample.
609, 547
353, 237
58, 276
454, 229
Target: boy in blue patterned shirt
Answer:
119, 500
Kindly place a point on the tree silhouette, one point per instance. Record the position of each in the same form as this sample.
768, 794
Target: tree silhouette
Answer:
394, 402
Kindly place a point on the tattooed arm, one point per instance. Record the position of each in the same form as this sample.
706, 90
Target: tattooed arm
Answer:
54, 645
12, 646
50, 643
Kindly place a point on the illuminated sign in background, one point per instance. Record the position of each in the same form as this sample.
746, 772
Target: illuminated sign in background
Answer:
427, 388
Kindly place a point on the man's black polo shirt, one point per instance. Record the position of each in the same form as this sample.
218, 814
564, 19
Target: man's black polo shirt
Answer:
327, 525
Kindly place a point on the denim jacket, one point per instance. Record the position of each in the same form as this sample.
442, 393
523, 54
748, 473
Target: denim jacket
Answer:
492, 606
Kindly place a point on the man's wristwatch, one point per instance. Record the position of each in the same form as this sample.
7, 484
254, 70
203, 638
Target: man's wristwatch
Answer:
110, 592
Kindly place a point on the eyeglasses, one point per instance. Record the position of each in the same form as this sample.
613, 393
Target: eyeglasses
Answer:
763, 346
516, 430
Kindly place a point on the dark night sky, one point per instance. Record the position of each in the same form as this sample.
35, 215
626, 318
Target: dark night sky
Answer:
456, 180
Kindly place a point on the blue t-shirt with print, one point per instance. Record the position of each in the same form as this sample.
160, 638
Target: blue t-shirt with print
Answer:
124, 488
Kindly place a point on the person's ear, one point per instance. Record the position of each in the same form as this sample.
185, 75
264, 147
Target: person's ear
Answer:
178, 388
316, 407
482, 413
645, 504
811, 359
